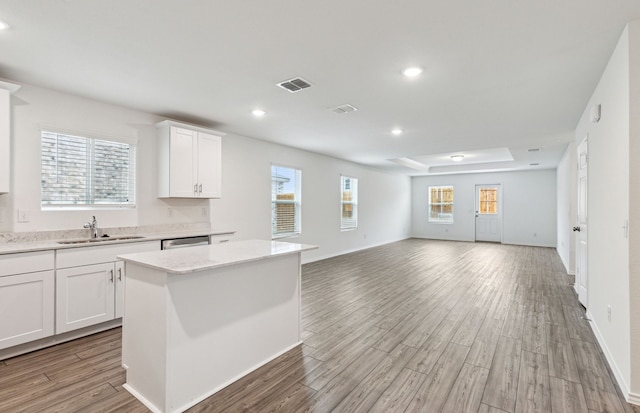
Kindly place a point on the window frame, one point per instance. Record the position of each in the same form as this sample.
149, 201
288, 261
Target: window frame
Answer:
296, 202
353, 202
441, 204
94, 145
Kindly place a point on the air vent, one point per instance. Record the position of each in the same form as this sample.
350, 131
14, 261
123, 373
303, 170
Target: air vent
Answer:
294, 85
533, 150
344, 109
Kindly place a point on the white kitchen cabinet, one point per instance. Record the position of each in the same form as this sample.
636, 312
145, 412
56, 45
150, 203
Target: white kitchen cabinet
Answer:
6, 89
26, 297
90, 284
189, 161
89, 295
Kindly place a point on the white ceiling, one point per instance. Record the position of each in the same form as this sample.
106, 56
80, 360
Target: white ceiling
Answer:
499, 74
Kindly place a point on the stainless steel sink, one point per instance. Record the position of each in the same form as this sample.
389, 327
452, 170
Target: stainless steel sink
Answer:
95, 240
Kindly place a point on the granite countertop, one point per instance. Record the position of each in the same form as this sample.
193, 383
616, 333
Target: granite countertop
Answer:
206, 257
35, 244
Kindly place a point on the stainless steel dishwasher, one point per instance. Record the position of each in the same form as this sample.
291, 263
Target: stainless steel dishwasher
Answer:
171, 243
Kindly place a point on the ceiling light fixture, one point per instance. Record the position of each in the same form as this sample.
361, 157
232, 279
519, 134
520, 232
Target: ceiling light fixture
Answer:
412, 71
3, 25
258, 113
457, 158
396, 132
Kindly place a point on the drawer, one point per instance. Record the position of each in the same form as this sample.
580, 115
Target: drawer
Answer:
75, 257
25, 262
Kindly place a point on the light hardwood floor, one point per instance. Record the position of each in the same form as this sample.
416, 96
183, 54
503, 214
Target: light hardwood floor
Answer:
414, 326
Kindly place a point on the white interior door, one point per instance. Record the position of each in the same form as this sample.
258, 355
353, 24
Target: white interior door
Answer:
581, 225
489, 213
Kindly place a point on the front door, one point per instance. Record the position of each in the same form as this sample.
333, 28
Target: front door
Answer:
581, 225
489, 213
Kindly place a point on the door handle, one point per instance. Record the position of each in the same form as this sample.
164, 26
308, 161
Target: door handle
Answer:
111, 271
119, 274
576, 229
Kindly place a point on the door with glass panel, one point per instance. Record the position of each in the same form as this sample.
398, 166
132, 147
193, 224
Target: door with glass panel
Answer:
489, 213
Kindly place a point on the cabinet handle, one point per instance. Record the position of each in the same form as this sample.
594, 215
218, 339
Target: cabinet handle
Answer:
111, 271
195, 189
119, 274
200, 189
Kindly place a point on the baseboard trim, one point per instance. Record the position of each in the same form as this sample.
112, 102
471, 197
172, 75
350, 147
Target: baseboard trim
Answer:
624, 386
349, 251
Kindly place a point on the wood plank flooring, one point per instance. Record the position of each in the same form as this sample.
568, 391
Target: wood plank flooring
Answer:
413, 326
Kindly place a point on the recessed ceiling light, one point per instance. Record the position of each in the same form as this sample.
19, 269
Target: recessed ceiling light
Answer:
3, 25
258, 113
457, 158
412, 71
396, 132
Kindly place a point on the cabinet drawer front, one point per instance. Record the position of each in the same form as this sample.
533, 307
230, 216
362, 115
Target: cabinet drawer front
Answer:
27, 303
76, 257
25, 262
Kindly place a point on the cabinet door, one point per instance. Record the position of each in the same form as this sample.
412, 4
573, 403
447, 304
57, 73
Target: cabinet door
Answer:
26, 307
120, 280
183, 170
209, 165
84, 296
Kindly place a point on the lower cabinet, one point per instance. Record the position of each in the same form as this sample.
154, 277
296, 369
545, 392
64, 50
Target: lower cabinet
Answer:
89, 295
27, 307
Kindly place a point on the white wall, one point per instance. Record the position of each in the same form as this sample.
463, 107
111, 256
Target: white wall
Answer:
608, 208
529, 206
34, 108
384, 200
566, 195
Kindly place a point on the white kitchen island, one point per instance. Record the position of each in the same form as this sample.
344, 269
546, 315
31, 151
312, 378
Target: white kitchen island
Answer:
197, 319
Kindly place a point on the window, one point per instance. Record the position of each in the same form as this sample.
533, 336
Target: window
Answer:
79, 171
441, 204
488, 198
285, 201
348, 203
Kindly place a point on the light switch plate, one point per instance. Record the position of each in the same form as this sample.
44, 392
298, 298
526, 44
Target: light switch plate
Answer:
23, 215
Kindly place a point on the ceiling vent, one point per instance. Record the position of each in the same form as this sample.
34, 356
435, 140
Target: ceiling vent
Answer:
294, 85
344, 109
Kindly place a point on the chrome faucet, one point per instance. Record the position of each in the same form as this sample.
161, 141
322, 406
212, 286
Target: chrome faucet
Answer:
94, 227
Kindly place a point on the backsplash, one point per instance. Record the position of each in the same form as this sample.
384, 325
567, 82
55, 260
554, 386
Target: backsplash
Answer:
23, 237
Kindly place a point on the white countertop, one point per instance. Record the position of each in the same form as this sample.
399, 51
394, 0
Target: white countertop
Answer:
200, 258
44, 245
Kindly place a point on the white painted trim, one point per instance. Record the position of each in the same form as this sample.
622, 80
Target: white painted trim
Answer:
141, 399
624, 386
366, 247
634, 398
215, 390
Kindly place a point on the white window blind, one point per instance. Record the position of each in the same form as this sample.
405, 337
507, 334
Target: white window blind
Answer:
348, 203
441, 204
79, 171
285, 201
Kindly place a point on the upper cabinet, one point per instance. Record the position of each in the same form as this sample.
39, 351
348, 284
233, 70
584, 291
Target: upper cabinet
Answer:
6, 89
189, 161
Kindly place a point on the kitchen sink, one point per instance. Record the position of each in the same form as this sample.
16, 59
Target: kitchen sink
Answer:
95, 240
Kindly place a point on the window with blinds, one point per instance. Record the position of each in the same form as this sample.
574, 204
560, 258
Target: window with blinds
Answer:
348, 203
441, 204
285, 201
79, 171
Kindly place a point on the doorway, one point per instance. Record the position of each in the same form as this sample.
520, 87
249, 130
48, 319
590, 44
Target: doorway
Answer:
489, 213
581, 225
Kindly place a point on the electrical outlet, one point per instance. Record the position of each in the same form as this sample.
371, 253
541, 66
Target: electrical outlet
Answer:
170, 212
535, 234
609, 313
205, 212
